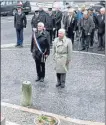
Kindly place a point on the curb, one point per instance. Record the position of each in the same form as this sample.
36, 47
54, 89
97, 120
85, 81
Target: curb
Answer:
12, 45
10, 123
68, 119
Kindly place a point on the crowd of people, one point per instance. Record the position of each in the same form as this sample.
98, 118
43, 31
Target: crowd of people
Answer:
61, 28
83, 23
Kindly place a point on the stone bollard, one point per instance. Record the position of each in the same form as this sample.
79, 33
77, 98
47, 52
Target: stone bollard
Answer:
26, 99
3, 121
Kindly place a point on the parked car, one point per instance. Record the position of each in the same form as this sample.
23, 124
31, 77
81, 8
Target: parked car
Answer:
10, 7
34, 6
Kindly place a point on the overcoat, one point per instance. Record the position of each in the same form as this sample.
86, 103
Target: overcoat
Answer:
62, 52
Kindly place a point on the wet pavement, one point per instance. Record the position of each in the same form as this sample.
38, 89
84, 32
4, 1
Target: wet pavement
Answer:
82, 98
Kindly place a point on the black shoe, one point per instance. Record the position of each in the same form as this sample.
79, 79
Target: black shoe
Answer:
17, 45
42, 80
103, 49
20, 46
82, 49
100, 49
62, 85
86, 49
58, 84
38, 79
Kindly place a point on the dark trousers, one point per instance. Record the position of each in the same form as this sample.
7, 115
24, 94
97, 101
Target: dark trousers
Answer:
19, 33
85, 41
70, 35
40, 68
92, 38
55, 33
61, 77
101, 38
51, 35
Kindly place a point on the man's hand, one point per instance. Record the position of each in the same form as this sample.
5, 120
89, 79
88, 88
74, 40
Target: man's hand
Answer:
89, 34
67, 62
46, 56
53, 29
73, 31
34, 29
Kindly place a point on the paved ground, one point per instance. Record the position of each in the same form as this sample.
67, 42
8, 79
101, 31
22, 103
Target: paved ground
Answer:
83, 98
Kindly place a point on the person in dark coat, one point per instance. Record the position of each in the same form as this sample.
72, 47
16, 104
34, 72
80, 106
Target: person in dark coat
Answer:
58, 18
35, 19
94, 17
20, 22
39, 16
65, 14
101, 29
50, 23
43, 16
40, 48
70, 24
86, 25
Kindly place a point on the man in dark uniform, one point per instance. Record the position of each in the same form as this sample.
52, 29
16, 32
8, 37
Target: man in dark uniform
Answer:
43, 16
94, 17
20, 22
35, 19
40, 48
39, 16
58, 18
50, 24
101, 29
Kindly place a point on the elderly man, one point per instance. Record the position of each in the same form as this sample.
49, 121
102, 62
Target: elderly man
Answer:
62, 51
70, 24
101, 29
40, 48
86, 25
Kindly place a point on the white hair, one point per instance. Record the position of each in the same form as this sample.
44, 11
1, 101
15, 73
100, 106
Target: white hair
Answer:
102, 9
79, 9
41, 24
71, 10
62, 30
85, 12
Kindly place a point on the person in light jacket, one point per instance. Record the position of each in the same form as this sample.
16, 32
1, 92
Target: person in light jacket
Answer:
62, 52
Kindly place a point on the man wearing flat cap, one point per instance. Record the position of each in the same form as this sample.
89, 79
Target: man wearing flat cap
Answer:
35, 19
86, 25
50, 26
20, 23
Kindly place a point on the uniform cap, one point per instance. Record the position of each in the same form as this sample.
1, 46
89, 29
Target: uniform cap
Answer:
49, 9
19, 7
